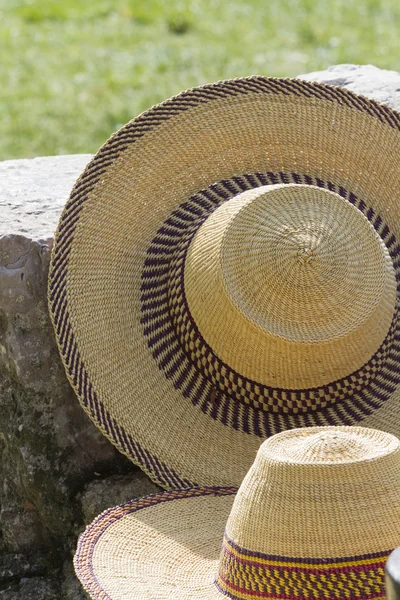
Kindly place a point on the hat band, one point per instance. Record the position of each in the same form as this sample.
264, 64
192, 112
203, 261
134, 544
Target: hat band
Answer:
247, 575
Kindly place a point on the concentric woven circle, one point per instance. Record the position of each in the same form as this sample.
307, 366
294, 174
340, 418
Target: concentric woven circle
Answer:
315, 517
227, 268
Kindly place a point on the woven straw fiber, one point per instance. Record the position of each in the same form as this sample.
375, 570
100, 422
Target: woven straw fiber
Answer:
316, 320
315, 517
227, 268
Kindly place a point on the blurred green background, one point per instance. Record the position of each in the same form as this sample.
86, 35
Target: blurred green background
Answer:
72, 72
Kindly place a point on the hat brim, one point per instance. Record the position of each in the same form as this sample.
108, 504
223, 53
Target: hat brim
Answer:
131, 375
156, 548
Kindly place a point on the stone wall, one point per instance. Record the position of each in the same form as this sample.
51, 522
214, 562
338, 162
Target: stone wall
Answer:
57, 472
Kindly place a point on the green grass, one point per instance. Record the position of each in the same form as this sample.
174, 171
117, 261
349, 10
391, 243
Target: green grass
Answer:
74, 71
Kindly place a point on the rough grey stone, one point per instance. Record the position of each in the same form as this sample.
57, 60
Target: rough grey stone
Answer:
35, 588
71, 588
99, 495
378, 84
14, 566
49, 448
33, 193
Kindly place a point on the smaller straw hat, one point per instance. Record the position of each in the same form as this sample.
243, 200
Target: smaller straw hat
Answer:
315, 517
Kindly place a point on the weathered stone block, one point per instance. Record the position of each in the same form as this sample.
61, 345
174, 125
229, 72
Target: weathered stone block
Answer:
368, 80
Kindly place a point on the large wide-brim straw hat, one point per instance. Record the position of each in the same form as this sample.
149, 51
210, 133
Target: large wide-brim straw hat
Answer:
226, 268
316, 517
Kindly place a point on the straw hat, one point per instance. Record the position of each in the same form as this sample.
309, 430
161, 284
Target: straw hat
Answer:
226, 268
316, 517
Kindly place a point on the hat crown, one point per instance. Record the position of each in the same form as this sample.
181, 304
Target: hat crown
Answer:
320, 491
315, 498
302, 280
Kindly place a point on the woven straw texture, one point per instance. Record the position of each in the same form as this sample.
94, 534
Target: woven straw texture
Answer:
227, 268
316, 517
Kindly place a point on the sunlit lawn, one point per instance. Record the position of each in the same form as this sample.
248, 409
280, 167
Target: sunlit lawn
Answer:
73, 71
